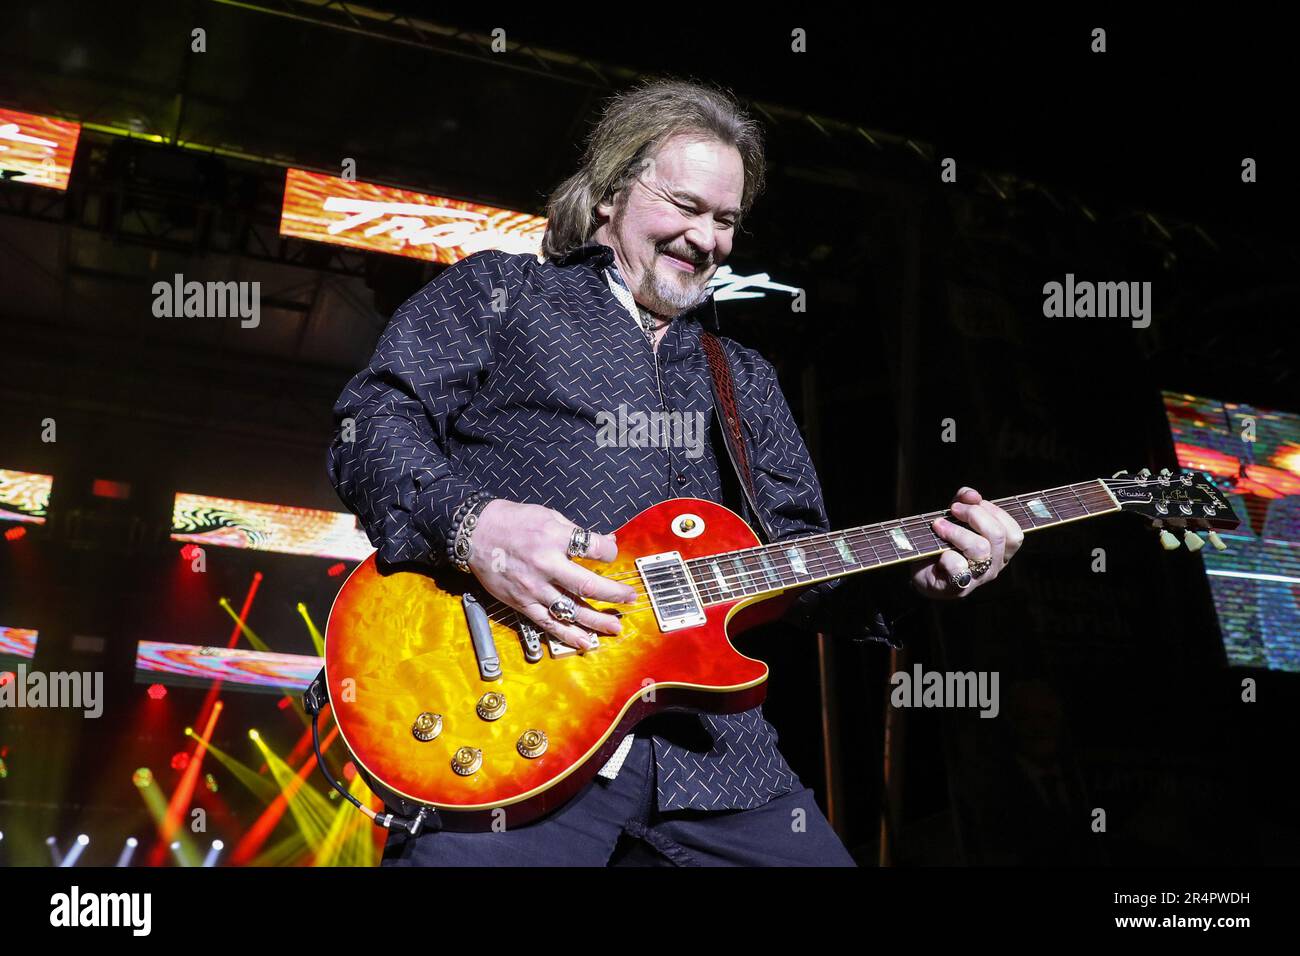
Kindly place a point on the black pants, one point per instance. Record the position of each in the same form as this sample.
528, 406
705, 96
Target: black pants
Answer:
615, 823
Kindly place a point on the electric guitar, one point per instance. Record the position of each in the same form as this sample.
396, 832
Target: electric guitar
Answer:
454, 706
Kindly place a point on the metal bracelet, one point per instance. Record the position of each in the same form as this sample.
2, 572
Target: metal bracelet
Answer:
459, 544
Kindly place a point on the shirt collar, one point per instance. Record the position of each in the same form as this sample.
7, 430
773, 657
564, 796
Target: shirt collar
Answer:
598, 251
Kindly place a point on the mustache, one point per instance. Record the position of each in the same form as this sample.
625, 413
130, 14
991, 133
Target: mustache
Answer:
687, 257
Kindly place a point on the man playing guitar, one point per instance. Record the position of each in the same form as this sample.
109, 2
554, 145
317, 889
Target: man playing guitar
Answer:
471, 439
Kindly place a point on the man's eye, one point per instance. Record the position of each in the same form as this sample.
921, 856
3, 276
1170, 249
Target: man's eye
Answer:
725, 223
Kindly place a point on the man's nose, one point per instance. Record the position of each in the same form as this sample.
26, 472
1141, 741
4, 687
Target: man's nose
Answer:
702, 241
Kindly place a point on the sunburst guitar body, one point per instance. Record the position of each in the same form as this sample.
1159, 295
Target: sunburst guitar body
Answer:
426, 728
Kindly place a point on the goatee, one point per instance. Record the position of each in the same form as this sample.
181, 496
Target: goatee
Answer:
667, 298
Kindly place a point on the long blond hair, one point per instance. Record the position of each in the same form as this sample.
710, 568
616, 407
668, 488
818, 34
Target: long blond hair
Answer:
632, 125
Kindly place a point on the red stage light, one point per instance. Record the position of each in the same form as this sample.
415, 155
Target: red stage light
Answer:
284, 702
103, 488
188, 551
5, 677
180, 760
157, 691
334, 570
13, 534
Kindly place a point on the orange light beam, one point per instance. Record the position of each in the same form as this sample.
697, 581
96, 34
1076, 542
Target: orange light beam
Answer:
234, 639
303, 746
184, 790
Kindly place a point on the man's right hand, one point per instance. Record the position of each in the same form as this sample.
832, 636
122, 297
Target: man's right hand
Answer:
520, 555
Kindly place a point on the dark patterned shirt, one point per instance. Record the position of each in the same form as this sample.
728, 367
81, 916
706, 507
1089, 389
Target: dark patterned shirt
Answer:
494, 377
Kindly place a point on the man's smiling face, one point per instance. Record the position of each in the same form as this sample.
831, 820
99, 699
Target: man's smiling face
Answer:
673, 226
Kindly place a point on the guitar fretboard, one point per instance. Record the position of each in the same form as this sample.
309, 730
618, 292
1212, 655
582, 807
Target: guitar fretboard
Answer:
770, 568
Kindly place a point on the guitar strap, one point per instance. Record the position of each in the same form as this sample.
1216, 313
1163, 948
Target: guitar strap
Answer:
728, 415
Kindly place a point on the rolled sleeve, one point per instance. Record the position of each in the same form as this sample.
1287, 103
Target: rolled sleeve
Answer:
391, 458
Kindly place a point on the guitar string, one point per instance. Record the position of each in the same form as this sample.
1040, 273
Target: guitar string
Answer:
1061, 493
1056, 495
862, 535
812, 541
831, 561
880, 527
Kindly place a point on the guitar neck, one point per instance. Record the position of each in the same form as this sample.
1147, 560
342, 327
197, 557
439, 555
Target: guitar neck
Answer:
770, 569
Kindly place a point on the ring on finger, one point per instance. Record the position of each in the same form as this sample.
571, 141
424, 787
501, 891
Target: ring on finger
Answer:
579, 543
979, 567
563, 610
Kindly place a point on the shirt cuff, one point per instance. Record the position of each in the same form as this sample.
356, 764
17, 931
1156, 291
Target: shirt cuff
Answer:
420, 520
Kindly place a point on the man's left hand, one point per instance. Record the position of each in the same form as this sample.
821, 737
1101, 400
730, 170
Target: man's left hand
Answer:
992, 535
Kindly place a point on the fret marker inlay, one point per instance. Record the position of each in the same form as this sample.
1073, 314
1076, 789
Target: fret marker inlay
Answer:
741, 571
720, 577
1039, 509
842, 547
900, 540
796, 560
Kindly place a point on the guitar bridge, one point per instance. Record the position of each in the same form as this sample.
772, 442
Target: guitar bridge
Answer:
671, 590
560, 649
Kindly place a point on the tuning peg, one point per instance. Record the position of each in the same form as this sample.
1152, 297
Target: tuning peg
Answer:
1168, 541
1164, 472
1217, 541
1193, 541
1122, 471
1144, 474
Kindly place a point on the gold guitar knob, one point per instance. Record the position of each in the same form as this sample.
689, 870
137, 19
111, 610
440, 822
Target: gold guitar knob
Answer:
427, 726
491, 705
532, 743
466, 760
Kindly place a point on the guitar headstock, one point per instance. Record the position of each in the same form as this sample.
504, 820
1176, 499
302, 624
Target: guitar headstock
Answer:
1184, 500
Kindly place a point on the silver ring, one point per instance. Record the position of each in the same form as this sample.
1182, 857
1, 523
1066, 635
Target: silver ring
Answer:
564, 610
579, 543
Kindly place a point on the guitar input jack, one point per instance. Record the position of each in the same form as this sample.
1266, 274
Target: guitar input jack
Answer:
313, 698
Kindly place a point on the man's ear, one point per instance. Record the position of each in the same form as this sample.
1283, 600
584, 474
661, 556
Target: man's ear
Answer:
605, 208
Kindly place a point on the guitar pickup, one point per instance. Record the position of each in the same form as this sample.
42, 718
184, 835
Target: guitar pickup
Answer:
671, 590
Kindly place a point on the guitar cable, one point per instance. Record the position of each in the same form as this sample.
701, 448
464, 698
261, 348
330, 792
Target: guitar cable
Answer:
313, 698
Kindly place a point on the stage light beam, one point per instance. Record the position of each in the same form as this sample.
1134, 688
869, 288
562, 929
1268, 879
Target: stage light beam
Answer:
76, 850
128, 851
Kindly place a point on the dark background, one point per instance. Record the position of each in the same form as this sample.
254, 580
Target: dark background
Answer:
924, 303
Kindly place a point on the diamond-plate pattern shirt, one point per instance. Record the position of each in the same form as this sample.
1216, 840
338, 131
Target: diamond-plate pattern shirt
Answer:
492, 377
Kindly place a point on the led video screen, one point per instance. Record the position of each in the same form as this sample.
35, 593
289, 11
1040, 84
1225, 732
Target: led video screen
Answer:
1254, 455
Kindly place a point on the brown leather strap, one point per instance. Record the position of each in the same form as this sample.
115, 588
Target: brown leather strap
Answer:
724, 397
